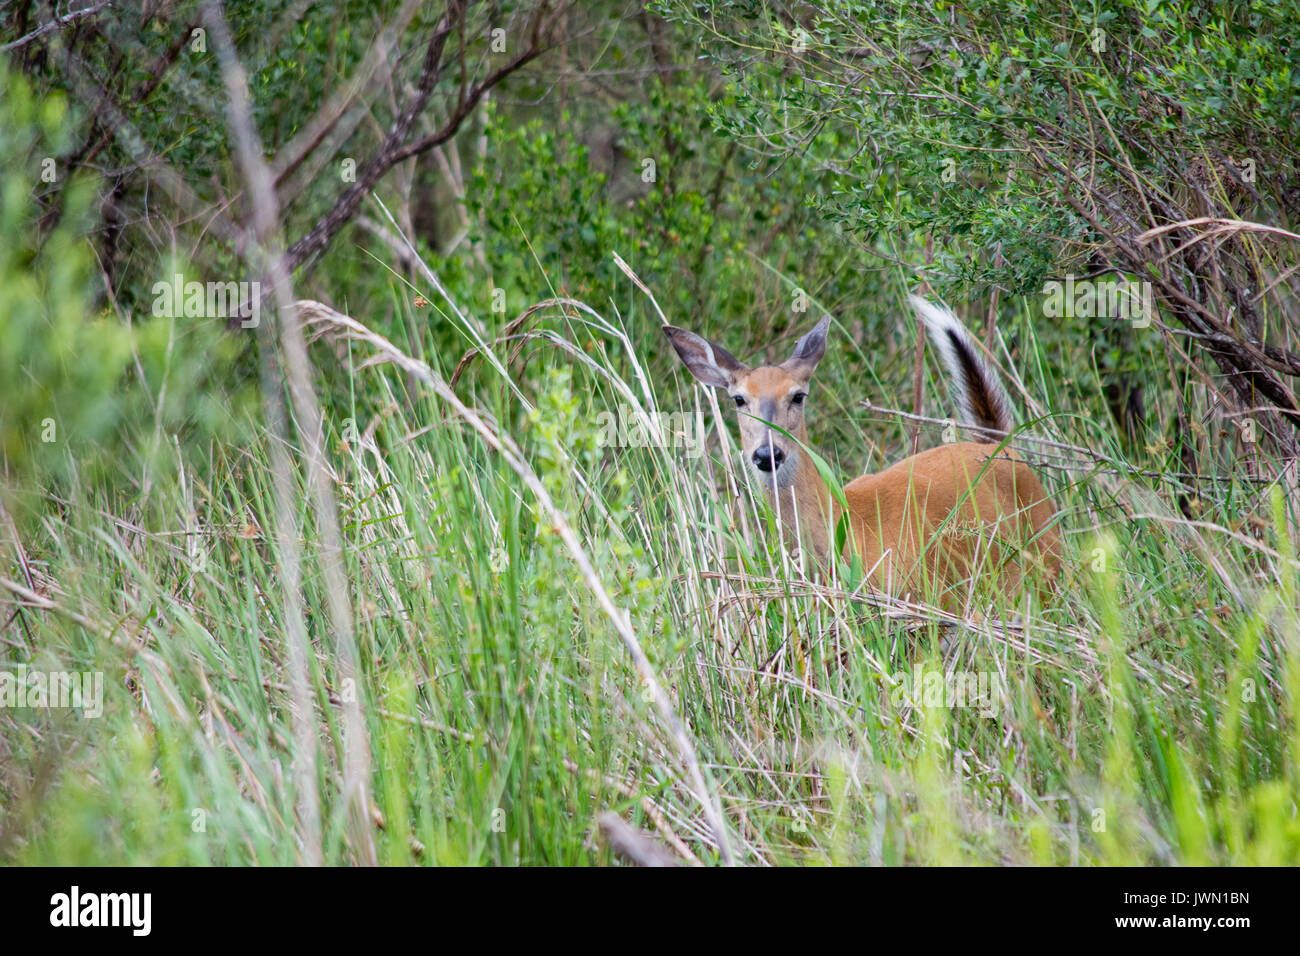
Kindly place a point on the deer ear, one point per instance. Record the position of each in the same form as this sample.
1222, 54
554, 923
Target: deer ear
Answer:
707, 361
808, 351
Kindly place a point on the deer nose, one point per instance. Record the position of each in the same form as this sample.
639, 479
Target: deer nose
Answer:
768, 459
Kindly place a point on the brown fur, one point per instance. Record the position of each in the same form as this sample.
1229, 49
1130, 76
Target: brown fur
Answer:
938, 519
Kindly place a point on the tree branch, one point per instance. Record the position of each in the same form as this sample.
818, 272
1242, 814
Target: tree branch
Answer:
395, 147
347, 204
57, 23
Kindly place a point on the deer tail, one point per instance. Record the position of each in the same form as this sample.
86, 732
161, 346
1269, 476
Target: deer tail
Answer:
981, 398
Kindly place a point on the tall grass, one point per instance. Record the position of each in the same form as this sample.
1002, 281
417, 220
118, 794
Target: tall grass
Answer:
1149, 715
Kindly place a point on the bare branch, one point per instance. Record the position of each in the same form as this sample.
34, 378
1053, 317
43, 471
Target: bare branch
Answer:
314, 131
395, 147
347, 204
58, 23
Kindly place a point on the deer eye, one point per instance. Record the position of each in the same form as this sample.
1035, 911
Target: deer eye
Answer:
740, 400
798, 397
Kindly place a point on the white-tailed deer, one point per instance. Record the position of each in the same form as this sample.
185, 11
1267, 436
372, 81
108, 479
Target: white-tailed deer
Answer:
939, 519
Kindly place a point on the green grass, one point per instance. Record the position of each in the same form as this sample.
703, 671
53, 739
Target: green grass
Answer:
1149, 716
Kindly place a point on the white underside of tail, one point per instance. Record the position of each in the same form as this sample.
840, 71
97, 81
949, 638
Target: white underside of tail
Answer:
982, 400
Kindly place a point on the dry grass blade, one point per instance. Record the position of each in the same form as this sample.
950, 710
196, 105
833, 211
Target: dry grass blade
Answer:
323, 318
632, 844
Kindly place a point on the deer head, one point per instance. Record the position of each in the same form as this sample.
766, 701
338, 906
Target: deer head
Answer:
767, 396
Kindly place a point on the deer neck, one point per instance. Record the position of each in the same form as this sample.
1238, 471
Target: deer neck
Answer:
807, 509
